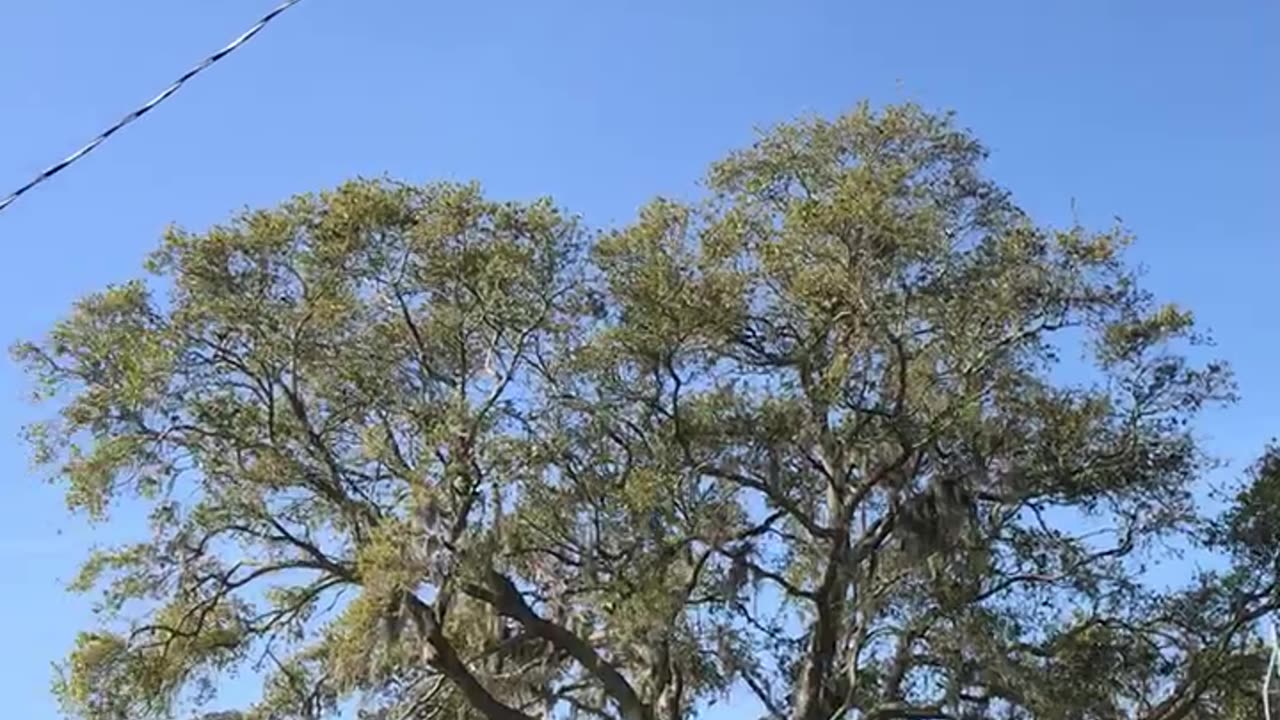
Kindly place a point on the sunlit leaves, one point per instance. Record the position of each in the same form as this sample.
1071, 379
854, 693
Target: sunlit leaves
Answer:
811, 436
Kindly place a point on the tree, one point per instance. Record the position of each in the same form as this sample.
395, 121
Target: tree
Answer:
809, 437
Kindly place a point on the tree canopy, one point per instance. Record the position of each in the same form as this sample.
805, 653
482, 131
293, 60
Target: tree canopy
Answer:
851, 436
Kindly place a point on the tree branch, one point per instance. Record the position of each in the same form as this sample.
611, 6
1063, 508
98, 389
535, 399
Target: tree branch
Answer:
506, 599
445, 658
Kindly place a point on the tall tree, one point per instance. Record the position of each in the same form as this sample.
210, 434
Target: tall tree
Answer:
809, 438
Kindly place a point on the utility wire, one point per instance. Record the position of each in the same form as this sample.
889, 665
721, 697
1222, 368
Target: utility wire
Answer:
147, 107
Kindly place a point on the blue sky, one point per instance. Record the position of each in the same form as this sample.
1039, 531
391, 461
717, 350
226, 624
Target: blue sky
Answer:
1165, 114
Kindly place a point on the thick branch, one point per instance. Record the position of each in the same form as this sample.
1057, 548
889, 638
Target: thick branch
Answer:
894, 710
445, 658
506, 599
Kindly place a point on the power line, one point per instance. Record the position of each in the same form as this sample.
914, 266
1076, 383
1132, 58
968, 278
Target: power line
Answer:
145, 108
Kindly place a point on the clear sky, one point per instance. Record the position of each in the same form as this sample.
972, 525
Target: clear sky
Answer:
1166, 114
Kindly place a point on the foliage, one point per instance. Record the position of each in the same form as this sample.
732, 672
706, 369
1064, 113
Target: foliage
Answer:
810, 438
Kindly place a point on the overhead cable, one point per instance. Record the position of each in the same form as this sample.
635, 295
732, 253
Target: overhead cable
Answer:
149, 105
